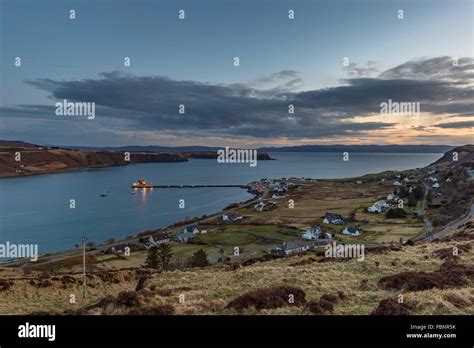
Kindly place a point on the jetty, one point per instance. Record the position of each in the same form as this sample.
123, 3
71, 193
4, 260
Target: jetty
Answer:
187, 186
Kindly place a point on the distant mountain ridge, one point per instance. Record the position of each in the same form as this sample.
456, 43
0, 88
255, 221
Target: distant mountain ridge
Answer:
362, 148
301, 148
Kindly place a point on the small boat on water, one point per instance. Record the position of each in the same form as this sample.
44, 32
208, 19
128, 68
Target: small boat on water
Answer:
104, 194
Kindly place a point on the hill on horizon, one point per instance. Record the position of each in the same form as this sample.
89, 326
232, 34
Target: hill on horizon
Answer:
299, 148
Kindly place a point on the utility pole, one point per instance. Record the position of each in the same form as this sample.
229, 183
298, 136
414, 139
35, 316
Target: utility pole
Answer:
84, 267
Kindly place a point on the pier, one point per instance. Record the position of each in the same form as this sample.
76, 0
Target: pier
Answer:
188, 186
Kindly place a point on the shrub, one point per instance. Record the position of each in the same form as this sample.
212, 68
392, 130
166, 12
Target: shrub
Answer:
165, 309
128, 299
389, 306
394, 213
269, 298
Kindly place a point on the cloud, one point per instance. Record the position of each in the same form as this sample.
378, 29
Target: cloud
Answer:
128, 103
463, 124
356, 70
460, 70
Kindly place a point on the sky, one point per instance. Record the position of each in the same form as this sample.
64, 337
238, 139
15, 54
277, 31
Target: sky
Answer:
282, 61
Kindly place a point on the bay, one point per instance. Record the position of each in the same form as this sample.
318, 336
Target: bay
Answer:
35, 209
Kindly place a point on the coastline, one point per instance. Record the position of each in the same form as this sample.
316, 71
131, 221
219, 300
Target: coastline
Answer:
181, 223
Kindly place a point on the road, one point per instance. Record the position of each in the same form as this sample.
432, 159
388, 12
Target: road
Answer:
428, 237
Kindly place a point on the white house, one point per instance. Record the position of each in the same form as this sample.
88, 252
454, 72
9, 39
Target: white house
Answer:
397, 183
191, 229
331, 218
315, 233
435, 185
432, 179
351, 231
231, 217
378, 207
259, 206
392, 197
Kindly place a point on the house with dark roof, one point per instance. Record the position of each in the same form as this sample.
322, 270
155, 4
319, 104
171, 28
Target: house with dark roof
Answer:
155, 240
314, 233
288, 248
120, 248
183, 237
351, 231
191, 229
335, 219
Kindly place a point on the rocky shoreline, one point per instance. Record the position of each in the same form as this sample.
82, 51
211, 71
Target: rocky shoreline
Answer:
22, 159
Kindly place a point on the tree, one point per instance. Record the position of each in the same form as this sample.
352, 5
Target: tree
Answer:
429, 196
164, 255
152, 258
412, 200
419, 192
402, 192
199, 259
394, 213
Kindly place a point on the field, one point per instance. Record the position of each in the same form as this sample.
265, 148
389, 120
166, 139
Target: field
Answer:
313, 199
209, 290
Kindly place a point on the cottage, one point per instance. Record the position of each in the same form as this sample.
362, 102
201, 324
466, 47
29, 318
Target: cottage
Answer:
392, 197
334, 219
378, 207
155, 240
397, 183
432, 179
351, 231
231, 217
120, 248
183, 237
435, 185
260, 206
288, 248
312, 233
315, 233
191, 229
